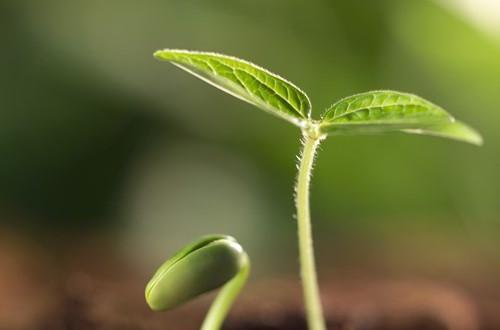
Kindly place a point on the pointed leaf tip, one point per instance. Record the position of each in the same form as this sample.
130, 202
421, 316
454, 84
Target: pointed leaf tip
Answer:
455, 131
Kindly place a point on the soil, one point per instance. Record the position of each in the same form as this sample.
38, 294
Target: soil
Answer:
89, 290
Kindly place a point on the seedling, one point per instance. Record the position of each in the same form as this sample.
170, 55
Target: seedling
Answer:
371, 112
200, 267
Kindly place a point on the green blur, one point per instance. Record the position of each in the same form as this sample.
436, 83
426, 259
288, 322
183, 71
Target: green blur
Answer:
87, 112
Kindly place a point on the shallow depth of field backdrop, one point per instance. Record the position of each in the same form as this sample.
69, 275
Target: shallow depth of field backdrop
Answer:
109, 156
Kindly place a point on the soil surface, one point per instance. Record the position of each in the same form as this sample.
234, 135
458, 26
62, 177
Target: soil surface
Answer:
89, 290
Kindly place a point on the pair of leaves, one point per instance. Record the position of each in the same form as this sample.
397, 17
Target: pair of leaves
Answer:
371, 112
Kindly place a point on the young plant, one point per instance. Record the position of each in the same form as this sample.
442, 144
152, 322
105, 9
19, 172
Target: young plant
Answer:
370, 112
201, 266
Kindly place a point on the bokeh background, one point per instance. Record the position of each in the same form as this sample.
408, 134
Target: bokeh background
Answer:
110, 160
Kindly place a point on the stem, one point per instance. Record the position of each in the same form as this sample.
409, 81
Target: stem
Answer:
314, 312
220, 307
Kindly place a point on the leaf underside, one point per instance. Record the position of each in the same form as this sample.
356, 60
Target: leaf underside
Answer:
245, 81
386, 111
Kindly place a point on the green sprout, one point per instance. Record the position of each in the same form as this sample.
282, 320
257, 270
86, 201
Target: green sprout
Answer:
371, 112
200, 267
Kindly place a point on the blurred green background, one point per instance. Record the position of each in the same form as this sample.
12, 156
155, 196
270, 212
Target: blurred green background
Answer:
98, 138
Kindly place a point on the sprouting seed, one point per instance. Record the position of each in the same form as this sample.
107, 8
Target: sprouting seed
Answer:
202, 266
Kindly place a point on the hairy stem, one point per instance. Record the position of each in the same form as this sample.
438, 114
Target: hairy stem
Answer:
220, 307
310, 289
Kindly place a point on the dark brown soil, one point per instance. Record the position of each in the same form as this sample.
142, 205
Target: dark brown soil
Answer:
81, 290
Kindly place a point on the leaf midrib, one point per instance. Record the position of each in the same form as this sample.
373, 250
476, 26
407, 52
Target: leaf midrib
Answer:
271, 89
276, 79
378, 107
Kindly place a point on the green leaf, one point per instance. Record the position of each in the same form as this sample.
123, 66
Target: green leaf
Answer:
455, 130
386, 111
245, 81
